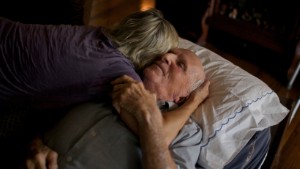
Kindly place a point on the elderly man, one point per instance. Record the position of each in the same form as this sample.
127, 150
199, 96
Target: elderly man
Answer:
170, 78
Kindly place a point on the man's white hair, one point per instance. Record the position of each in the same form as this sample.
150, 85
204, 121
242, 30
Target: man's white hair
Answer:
196, 84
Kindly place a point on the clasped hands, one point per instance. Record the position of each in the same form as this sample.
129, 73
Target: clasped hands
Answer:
133, 102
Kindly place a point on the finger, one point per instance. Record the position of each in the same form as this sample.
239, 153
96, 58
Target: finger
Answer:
116, 94
206, 84
128, 88
116, 101
29, 164
117, 107
118, 87
40, 161
122, 79
52, 160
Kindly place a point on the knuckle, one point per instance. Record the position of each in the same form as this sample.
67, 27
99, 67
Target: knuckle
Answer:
127, 90
122, 97
29, 164
53, 154
140, 84
131, 85
38, 156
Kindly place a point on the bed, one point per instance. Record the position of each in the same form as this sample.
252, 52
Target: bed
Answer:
236, 117
235, 122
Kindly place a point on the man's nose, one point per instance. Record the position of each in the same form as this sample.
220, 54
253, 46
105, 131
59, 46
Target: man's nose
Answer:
169, 58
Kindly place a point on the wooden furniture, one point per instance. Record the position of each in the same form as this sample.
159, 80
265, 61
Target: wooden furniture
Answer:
295, 71
272, 24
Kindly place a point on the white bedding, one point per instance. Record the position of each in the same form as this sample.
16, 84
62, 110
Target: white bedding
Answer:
239, 104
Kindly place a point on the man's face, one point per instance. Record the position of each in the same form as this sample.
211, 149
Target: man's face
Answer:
172, 75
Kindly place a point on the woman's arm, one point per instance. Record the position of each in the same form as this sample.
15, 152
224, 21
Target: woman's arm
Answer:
174, 120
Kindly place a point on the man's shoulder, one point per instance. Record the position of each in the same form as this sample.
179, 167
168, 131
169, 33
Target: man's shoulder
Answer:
190, 134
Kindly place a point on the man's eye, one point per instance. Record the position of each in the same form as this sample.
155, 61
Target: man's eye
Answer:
181, 65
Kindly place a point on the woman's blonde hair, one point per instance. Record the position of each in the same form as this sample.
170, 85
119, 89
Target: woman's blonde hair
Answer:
144, 35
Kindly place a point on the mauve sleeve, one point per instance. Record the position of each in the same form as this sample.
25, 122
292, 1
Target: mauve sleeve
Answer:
12, 48
37, 64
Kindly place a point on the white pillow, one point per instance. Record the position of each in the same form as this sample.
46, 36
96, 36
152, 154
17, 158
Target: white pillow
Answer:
238, 105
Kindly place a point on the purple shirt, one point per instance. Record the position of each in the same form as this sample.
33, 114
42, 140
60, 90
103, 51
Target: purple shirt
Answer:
54, 66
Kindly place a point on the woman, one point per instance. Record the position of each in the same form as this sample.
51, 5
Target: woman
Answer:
47, 66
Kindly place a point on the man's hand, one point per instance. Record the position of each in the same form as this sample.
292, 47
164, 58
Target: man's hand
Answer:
132, 101
40, 156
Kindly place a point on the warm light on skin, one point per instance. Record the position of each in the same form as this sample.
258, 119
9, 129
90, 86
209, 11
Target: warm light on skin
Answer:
147, 4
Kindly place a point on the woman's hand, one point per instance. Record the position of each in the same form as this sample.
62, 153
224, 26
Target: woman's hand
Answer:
40, 156
199, 94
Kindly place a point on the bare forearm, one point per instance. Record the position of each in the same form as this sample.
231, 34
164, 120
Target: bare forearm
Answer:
174, 120
155, 150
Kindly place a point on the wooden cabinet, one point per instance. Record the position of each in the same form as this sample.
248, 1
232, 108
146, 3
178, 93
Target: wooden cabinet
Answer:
270, 24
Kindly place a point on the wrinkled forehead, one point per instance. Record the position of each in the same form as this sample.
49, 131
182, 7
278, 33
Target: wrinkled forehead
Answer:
195, 67
188, 54
192, 60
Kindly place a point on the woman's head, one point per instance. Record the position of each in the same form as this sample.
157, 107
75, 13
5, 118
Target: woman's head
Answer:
144, 35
